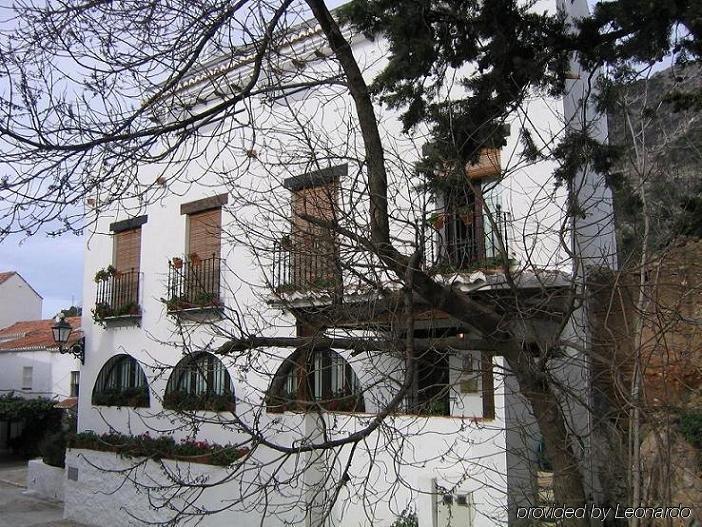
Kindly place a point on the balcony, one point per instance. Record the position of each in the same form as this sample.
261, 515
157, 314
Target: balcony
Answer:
468, 241
117, 297
461, 242
194, 285
305, 269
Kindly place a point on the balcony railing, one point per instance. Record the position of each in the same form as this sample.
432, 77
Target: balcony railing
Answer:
461, 242
468, 240
306, 269
117, 294
194, 284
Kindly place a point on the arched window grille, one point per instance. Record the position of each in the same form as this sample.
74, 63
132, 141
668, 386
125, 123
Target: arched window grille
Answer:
200, 382
121, 382
315, 380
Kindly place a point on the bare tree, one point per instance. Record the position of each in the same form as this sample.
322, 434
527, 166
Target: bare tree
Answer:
230, 89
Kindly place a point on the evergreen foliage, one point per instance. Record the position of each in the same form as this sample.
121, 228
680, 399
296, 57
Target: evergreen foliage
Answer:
39, 417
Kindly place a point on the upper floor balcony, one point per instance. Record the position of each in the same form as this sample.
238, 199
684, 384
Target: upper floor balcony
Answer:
194, 284
459, 242
467, 240
117, 295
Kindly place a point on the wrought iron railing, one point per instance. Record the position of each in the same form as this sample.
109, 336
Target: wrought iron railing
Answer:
458, 241
194, 283
117, 294
468, 240
311, 268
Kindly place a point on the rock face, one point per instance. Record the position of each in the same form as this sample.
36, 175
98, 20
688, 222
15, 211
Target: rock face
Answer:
661, 152
671, 474
671, 360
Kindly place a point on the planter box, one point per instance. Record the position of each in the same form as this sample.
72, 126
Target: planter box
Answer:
45, 481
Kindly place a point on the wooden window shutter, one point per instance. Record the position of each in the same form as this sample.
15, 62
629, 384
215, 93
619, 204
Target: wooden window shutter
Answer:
314, 246
488, 164
204, 237
127, 250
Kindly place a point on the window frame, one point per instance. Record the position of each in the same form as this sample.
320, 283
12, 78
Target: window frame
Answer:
121, 382
309, 380
193, 385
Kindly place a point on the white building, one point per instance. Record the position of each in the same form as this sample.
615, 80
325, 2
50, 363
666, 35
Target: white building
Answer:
32, 367
30, 362
18, 300
219, 256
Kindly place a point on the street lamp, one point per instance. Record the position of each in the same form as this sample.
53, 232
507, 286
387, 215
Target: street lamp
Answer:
61, 332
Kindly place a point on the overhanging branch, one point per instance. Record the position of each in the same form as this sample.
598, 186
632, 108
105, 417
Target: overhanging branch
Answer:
355, 345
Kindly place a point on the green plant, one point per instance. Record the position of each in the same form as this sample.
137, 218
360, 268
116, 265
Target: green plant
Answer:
206, 298
436, 406
208, 401
282, 402
407, 518
131, 397
38, 416
198, 300
104, 274
105, 310
691, 427
156, 448
53, 449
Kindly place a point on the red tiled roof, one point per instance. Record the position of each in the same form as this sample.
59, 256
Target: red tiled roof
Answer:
35, 335
67, 404
5, 276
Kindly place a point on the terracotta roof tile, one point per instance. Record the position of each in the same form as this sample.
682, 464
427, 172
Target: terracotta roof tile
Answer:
35, 335
6, 275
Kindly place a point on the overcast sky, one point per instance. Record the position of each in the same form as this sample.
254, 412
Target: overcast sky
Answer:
52, 266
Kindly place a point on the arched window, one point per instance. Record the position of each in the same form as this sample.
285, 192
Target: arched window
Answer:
200, 382
121, 382
314, 380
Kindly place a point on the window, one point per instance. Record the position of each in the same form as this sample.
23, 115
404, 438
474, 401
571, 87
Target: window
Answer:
75, 382
430, 394
204, 234
121, 382
27, 374
468, 233
118, 284
200, 382
127, 250
470, 374
313, 250
463, 228
194, 282
321, 379
453, 509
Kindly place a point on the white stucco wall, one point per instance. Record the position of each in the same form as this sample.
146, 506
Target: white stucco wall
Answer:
18, 301
45, 481
51, 373
462, 455
402, 462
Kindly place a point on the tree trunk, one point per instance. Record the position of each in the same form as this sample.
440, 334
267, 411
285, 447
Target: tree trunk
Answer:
567, 477
568, 484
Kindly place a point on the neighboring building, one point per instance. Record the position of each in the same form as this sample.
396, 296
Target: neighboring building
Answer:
173, 280
30, 362
32, 367
18, 300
